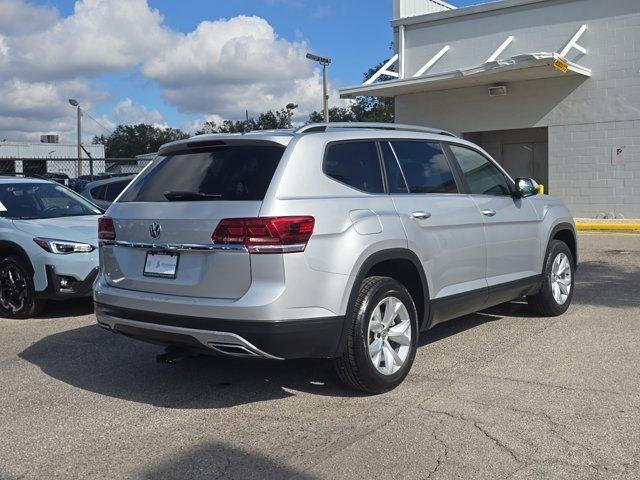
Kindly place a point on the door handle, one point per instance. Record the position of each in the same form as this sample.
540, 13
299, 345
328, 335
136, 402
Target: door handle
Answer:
487, 212
420, 215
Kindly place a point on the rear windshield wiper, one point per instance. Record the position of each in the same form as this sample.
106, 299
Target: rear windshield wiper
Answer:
190, 196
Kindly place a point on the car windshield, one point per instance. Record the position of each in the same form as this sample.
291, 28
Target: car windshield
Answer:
42, 200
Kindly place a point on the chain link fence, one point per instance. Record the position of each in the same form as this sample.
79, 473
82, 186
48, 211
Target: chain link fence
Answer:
72, 172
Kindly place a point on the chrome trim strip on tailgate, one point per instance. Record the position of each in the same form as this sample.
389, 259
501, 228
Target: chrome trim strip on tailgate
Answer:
176, 246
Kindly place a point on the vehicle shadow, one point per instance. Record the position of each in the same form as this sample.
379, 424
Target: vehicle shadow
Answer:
67, 308
95, 360
219, 460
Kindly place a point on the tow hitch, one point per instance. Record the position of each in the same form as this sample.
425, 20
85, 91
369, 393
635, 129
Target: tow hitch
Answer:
172, 355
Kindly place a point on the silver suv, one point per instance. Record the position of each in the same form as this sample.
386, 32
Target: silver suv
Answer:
339, 241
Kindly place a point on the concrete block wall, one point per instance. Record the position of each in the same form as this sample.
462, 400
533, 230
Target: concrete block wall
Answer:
581, 170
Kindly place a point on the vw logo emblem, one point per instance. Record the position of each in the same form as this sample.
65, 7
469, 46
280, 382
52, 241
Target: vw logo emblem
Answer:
155, 229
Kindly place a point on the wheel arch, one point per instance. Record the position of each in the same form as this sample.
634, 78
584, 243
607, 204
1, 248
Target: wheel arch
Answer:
8, 248
565, 232
404, 266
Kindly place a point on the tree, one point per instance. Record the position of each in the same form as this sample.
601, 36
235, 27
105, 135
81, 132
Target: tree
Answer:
127, 141
364, 109
268, 120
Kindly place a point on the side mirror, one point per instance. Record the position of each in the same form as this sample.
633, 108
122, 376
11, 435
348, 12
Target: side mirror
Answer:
526, 187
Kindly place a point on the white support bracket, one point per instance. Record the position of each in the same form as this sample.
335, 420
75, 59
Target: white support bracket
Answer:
573, 43
384, 70
432, 62
500, 49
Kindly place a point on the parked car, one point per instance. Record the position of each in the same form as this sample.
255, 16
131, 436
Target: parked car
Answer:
48, 241
339, 241
77, 184
61, 178
104, 192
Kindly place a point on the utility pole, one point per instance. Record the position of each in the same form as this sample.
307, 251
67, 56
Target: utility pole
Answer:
75, 103
324, 61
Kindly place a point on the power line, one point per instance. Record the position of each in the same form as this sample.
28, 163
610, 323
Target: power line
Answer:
91, 117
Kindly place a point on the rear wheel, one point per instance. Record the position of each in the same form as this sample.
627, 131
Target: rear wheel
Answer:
382, 337
556, 292
17, 294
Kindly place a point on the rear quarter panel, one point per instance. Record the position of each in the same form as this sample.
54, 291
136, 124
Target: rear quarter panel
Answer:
349, 225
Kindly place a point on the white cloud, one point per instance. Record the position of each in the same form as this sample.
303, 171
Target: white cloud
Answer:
100, 36
227, 66
130, 113
31, 108
217, 70
19, 18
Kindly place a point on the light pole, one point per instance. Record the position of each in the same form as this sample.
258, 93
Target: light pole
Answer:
74, 103
324, 61
290, 108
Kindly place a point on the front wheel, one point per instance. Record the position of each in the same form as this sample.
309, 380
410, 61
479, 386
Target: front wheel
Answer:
17, 294
554, 297
382, 337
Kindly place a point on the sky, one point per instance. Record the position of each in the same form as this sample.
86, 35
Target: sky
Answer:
177, 63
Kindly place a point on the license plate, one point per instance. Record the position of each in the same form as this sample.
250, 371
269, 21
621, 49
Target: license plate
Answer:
161, 265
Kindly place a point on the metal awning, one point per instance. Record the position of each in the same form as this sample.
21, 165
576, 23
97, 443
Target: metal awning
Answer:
530, 66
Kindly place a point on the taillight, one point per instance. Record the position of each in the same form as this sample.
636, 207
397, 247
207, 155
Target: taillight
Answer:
266, 234
106, 229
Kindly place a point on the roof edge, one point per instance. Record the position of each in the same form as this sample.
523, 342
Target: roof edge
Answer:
465, 11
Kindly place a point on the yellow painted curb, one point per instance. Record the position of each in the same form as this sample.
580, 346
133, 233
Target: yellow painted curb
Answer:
608, 226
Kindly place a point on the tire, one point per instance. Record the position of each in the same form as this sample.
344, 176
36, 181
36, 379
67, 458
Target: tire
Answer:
17, 294
355, 367
547, 301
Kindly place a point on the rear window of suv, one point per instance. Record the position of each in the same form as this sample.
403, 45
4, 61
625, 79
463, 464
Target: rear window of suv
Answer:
221, 173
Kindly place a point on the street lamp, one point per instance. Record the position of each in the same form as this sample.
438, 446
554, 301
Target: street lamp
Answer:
74, 103
324, 61
290, 108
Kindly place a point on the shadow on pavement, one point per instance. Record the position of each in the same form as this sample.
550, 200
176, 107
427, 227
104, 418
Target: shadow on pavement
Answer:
95, 360
604, 283
113, 365
218, 460
67, 308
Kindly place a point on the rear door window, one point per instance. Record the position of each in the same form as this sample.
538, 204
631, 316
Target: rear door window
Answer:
240, 172
356, 164
425, 167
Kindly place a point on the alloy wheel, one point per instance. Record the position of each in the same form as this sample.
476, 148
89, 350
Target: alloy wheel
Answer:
561, 278
13, 288
389, 335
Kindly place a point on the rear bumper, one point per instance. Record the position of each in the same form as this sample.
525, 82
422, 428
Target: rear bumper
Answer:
284, 339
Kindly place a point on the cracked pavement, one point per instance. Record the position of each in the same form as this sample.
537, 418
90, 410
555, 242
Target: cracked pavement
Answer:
499, 394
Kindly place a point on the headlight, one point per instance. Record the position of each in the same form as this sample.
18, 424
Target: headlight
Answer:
63, 247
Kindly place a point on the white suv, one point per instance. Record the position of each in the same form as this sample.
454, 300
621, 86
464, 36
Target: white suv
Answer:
339, 241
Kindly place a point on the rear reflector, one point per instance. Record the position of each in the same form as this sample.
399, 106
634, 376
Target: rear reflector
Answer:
106, 229
266, 234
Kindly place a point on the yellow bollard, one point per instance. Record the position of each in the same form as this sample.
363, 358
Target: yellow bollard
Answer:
541, 189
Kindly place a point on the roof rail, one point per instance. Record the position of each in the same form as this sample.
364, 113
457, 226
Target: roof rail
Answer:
323, 127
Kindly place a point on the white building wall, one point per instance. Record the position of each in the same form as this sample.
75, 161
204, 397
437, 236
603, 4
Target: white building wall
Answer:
586, 118
46, 150
411, 8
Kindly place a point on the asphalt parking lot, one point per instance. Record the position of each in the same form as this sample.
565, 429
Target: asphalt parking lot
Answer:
499, 394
